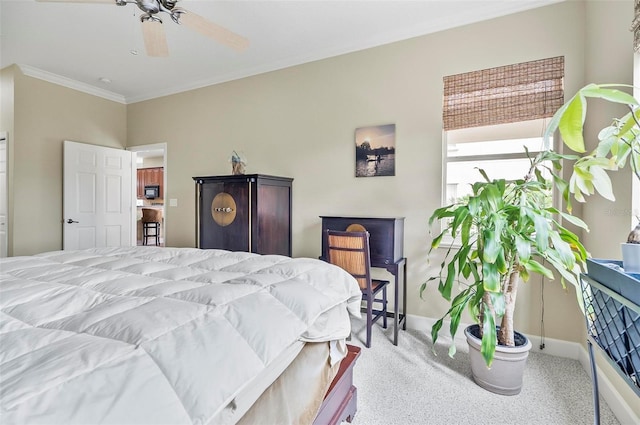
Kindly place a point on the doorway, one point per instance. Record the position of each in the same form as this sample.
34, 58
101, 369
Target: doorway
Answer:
151, 187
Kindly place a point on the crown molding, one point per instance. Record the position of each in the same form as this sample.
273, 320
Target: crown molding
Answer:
30, 71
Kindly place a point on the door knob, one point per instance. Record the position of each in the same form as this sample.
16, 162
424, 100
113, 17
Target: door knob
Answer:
72, 221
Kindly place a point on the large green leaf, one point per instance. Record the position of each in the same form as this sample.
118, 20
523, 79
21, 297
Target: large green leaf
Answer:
552, 126
566, 274
580, 182
445, 289
628, 122
570, 124
442, 212
489, 339
612, 95
465, 231
458, 219
574, 220
563, 249
458, 306
490, 277
535, 267
474, 205
501, 262
572, 239
542, 231
436, 241
435, 329
491, 198
523, 247
498, 303
463, 258
492, 246
602, 183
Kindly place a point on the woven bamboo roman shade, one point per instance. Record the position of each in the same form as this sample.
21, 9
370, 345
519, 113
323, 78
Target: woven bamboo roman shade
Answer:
512, 93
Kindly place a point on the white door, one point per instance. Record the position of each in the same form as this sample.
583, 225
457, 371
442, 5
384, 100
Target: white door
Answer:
4, 196
98, 196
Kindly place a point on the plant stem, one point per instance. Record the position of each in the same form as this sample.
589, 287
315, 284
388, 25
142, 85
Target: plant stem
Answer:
505, 336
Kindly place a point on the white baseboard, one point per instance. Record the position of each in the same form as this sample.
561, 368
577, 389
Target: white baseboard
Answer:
553, 347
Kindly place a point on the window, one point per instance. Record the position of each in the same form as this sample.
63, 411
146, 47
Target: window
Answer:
498, 150
490, 116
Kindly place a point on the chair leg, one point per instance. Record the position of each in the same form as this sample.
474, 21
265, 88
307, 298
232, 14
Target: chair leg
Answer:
369, 320
144, 233
157, 236
384, 307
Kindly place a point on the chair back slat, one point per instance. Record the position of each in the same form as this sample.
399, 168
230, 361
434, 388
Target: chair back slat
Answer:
350, 251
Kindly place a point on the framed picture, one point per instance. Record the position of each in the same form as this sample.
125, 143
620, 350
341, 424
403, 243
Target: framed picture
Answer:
376, 151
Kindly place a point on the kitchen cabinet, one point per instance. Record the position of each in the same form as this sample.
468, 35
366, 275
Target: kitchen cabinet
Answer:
150, 176
249, 213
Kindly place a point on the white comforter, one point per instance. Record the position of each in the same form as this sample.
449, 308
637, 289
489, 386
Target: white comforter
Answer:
154, 335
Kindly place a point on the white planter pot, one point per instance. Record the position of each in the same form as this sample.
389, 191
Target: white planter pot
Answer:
505, 375
631, 257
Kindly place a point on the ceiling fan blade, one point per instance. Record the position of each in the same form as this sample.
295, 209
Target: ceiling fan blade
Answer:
215, 31
155, 41
77, 1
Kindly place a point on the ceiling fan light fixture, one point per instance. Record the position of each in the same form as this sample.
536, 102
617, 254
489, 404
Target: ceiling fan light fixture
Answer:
147, 17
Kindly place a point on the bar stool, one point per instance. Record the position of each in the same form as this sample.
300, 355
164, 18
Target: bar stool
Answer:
151, 219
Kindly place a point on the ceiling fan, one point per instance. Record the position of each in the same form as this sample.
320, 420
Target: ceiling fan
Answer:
155, 41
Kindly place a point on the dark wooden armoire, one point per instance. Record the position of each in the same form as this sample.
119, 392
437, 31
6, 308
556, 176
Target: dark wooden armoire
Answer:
249, 213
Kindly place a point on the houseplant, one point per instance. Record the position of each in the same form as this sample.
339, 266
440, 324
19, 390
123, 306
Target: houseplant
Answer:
618, 144
509, 230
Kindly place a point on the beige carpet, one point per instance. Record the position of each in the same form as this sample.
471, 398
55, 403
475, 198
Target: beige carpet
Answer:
408, 384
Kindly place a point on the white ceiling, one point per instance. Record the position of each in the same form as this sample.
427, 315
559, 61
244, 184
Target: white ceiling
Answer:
76, 44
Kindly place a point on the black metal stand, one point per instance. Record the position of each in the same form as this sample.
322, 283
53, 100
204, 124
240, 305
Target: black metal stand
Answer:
613, 325
594, 377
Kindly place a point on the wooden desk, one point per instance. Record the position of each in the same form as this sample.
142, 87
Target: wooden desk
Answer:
386, 244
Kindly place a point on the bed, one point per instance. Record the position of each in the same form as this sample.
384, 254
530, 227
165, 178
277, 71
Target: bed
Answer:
171, 335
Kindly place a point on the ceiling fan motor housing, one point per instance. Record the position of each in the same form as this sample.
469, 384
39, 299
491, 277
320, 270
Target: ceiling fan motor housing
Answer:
155, 6
149, 6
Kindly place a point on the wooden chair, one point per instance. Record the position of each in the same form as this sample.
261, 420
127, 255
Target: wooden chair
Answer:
350, 251
151, 222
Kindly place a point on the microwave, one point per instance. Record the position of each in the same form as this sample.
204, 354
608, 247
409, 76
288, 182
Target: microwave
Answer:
152, 192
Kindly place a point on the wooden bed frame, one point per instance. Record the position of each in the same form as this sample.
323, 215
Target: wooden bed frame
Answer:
340, 402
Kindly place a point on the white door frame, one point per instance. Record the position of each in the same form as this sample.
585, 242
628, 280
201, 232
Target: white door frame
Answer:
4, 195
154, 147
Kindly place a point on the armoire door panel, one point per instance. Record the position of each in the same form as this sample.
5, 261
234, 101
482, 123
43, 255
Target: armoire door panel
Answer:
273, 219
233, 236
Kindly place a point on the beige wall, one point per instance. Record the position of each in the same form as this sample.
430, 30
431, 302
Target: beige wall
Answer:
300, 122
45, 115
152, 162
607, 61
